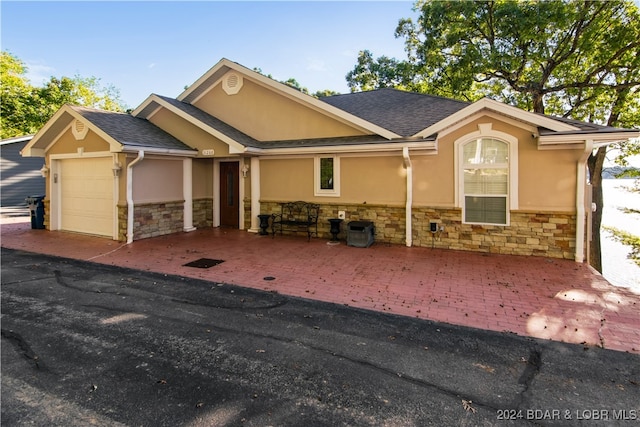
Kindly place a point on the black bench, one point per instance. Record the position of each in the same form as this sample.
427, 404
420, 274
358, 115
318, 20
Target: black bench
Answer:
297, 216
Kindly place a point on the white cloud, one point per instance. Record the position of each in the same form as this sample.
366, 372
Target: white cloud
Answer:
38, 73
152, 65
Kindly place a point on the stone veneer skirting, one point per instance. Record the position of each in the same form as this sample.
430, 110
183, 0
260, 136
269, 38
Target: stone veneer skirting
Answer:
158, 219
550, 234
203, 213
152, 220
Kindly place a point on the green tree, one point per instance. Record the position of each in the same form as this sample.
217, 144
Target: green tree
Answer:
16, 109
292, 82
572, 58
370, 73
26, 108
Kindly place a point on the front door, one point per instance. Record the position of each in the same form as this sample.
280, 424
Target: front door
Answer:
229, 194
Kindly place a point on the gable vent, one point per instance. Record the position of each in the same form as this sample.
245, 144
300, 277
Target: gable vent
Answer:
79, 129
232, 83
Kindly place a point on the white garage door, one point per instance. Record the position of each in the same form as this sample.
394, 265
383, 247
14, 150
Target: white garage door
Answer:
86, 188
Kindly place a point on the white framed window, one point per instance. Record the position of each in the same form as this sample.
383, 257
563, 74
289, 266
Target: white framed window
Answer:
486, 176
485, 183
326, 172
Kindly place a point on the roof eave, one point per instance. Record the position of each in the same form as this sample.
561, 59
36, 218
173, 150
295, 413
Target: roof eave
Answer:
600, 139
133, 148
498, 107
429, 146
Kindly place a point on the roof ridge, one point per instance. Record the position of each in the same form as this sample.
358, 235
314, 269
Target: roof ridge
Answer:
408, 92
97, 110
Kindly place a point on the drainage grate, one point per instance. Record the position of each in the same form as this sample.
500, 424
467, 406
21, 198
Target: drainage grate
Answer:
204, 263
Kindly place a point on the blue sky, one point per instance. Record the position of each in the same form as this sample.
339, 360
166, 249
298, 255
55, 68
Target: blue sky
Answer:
146, 47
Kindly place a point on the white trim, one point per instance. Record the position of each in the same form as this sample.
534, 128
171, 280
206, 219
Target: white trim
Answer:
499, 107
319, 192
81, 155
409, 202
485, 131
581, 186
597, 138
216, 192
488, 114
15, 139
254, 174
116, 195
187, 191
346, 149
130, 201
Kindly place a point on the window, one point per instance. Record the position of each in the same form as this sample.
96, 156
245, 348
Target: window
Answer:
485, 168
327, 176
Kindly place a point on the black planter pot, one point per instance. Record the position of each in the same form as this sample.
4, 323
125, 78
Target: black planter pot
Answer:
335, 228
264, 224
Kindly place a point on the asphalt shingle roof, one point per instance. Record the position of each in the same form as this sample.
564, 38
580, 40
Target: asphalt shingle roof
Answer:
404, 113
131, 131
213, 122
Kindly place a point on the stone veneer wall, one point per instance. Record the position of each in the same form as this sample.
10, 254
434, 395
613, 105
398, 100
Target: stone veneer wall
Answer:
550, 234
203, 213
47, 211
152, 220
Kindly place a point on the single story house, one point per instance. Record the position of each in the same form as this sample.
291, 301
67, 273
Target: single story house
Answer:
427, 171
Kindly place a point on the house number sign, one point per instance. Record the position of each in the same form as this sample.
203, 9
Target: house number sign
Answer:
208, 152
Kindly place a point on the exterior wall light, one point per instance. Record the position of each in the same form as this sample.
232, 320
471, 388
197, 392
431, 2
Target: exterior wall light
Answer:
117, 167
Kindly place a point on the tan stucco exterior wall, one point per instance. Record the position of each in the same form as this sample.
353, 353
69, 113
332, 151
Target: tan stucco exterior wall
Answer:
286, 179
202, 170
546, 178
189, 133
157, 180
68, 144
268, 116
380, 180
433, 178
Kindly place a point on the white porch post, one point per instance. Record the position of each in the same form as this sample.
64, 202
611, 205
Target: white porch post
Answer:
255, 194
187, 191
581, 187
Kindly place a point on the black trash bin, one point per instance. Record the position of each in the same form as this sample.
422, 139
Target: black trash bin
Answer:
360, 234
36, 207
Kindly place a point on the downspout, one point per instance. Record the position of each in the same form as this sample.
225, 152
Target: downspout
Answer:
408, 207
581, 185
130, 206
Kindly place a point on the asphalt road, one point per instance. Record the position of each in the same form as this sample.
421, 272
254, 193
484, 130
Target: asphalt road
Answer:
88, 344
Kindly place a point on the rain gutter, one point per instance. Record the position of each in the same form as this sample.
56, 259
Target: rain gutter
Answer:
130, 205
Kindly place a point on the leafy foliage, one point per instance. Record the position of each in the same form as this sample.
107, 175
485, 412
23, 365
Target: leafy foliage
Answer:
292, 82
627, 239
26, 108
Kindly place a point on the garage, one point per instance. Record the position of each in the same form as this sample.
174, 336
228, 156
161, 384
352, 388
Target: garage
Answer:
86, 195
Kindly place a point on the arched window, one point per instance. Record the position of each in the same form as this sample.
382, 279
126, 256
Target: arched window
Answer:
485, 181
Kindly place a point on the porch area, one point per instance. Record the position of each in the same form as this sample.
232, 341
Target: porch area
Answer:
530, 296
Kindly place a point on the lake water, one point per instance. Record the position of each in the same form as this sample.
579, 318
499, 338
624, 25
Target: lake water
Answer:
616, 267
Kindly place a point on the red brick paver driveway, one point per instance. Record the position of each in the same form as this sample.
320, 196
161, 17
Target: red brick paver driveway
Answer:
531, 296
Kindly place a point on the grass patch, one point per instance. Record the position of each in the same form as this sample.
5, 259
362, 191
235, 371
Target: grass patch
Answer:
627, 239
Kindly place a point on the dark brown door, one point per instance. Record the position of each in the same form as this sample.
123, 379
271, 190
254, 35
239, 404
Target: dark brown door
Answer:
229, 194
